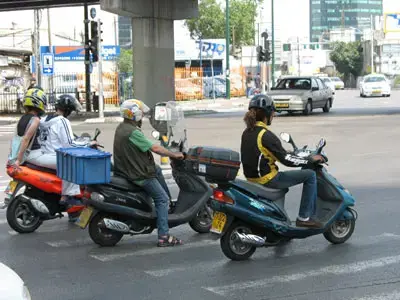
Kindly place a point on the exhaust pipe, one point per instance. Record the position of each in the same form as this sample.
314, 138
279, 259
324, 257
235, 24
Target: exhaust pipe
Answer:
251, 239
116, 225
38, 205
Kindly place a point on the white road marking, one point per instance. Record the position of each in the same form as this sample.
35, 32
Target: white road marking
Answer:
4, 181
395, 295
3, 188
76, 242
344, 269
153, 251
295, 251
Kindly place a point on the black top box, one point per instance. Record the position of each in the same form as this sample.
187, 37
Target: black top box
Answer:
216, 164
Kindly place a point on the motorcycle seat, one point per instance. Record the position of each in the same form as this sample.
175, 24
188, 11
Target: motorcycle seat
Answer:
261, 191
124, 184
38, 168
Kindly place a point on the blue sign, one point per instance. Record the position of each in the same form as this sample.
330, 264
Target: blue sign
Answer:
47, 63
77, 53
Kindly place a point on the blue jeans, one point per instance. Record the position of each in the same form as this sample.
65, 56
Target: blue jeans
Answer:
157, 189
309, 196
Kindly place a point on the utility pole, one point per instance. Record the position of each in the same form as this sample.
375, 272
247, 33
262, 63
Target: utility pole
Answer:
298, 54
273, 43
51, 86
372, 44
87, 58
100, 67
13, 29
227, 42
37, 46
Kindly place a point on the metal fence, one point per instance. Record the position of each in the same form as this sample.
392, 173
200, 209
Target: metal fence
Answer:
190, 84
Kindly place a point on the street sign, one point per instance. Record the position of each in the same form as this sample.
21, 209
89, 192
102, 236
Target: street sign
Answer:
77, 53
47, 64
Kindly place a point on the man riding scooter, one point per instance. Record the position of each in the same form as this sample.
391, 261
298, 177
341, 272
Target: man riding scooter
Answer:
260, 149
133, 160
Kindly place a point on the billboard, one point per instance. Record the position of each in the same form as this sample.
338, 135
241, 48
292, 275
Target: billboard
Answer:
77, 53
392, 22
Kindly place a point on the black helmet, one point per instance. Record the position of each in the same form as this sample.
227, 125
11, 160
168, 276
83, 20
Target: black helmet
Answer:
265, 103
67, 104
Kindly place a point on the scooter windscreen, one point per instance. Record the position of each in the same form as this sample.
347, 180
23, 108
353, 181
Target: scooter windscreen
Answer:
168, 119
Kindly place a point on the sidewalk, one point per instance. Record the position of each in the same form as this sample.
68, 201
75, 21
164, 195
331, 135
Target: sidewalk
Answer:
111, 113
195, 107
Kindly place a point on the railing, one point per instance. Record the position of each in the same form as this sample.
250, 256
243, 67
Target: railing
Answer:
190, 84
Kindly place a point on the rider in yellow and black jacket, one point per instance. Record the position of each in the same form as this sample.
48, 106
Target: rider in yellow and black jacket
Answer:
261, 149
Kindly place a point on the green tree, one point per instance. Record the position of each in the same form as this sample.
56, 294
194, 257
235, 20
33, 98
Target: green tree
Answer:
348, 58
210, 24
125, 61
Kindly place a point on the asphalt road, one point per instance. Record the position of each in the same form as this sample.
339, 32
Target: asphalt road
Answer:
59, 261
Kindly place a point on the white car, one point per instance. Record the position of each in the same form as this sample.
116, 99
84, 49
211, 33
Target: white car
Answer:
11, 285
375, 85
328, 81
339, 84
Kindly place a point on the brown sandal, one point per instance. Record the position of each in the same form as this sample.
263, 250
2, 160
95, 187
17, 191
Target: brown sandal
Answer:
169, 241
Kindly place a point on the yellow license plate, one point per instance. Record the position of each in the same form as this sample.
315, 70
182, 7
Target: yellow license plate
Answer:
282, 105
12, 185
84, 217
218, 223
376, 92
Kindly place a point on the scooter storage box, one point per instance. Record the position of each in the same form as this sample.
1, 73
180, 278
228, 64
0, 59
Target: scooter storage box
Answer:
216, 164
84, 165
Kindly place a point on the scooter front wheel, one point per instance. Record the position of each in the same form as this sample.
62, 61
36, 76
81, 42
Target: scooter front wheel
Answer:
232, 246
203, 220
101, 235
21, 217
340, 231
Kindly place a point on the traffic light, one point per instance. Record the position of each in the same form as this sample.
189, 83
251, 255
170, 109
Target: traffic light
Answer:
260, 54
95, 37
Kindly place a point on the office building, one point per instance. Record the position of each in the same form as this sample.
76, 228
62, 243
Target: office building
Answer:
125, 32
327, 15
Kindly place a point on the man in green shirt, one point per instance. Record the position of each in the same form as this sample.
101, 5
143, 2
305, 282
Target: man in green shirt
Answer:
133, 159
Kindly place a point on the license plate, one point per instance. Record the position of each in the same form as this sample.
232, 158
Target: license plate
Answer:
218, 223
282, 105
84, 217
12, 185
376, 92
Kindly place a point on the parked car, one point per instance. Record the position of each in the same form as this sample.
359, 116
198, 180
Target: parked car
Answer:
339, 84
12, 286
301, 94
375, 85
209, 88
330, 83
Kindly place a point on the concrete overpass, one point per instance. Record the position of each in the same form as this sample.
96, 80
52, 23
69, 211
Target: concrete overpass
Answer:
153, 38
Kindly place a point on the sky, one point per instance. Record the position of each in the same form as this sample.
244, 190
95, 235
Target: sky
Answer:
291, 20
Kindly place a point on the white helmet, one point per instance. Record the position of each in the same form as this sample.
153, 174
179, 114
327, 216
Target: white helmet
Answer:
133, 109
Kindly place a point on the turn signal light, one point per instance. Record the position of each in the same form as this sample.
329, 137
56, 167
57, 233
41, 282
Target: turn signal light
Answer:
221, 197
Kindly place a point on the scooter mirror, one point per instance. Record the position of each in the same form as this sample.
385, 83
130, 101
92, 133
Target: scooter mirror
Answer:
155, 134
321, 143
96, 133
285, 137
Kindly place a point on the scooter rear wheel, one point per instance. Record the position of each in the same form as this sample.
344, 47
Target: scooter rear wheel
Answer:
103, 236
202, 222
232, 247
340, 231
21, 217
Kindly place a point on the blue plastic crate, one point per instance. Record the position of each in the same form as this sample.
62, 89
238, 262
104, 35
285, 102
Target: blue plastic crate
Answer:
84, 165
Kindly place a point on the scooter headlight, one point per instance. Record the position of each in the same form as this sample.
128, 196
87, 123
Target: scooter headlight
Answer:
25, 293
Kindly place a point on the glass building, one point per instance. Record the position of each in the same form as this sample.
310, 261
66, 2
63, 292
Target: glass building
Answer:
326, 15
125, 32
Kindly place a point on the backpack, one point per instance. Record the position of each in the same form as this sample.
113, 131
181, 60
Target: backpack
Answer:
16, 145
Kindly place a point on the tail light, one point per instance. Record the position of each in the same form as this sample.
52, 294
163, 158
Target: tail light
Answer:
220, 196
86, 194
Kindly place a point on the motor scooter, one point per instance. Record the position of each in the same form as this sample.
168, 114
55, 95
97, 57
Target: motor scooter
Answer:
33, 195
248, 215
123, 208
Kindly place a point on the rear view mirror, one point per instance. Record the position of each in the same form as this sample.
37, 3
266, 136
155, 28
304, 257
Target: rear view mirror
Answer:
315, 88
96, 133
321, 143
155, 134
285, 137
